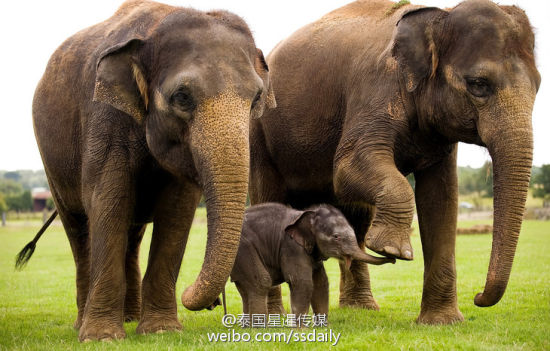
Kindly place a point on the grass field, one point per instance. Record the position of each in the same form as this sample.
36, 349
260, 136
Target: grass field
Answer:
37, 305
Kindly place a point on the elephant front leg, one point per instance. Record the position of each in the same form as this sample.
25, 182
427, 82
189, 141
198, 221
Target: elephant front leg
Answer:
370, 177
109, 222
132, 301
437, 204
275, 301
355, 290
172, 221
319, 298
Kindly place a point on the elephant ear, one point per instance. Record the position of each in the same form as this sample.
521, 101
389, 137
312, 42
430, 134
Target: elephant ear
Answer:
414, 46
300, 230
120, 81
261, 68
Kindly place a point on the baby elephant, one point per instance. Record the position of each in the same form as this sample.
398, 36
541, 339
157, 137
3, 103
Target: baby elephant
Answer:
280, 244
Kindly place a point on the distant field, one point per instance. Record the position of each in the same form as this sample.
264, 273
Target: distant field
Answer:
37, 305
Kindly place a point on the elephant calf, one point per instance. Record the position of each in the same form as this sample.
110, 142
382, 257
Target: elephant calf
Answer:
280, 244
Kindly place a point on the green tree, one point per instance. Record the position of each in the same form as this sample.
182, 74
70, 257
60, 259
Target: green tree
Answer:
50, 205
15, 176
21, 202
10, 187
485, 179
3, 204
541, 182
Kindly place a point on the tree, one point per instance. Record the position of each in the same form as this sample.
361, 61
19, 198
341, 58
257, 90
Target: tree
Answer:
21, 202
541, 182
50, 205
15, 176
10, 187
3, 204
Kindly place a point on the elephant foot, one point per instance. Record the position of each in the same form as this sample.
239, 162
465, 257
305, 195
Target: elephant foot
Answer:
440, 316
100, 330
355, 287
275, 301
158, 325
390, 241
368, 303
275, 308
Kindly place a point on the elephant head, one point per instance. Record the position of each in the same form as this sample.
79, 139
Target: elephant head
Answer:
326, 229
470, 75
192, 83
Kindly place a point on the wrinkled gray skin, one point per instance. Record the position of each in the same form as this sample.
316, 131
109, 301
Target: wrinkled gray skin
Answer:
280, 244
135, 118
369, 94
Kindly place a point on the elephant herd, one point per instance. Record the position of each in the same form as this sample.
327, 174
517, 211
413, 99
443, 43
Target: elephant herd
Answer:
139, 116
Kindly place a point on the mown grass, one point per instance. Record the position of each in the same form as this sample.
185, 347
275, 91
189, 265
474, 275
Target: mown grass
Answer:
37, 305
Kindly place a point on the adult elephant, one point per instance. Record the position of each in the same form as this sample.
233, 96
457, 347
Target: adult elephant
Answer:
372, 92
135, 117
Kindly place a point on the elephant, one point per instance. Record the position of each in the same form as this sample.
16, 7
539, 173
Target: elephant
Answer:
135, 118
375, 91
280, 244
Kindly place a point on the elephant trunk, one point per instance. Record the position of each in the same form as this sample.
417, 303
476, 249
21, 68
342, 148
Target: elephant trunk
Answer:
222, 158
510, 144
359, 255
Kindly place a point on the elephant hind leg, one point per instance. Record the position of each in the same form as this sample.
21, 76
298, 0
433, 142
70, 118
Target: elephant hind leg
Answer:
76, 228
132, 300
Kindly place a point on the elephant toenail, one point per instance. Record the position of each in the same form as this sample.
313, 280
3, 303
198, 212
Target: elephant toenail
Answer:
408, 255
391, 250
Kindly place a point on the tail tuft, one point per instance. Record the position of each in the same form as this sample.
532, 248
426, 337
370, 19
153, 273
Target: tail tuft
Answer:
25, 255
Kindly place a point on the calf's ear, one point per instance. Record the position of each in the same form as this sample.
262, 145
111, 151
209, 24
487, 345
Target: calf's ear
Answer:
300, 230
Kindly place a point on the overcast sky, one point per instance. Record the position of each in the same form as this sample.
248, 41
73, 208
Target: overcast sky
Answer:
32, 30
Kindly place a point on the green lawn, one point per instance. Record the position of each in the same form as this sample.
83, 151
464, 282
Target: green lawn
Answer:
37, 305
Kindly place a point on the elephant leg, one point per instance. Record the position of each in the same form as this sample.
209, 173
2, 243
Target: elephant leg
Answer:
172, 221
300, 296
319, 297
275, 301
76, 227
132, 301
266, 185
437, 203
244, 296
109, 213
257, 302
369, 175
355, 290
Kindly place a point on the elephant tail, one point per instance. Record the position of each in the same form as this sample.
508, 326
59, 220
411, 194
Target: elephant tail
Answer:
223, 301
24, 255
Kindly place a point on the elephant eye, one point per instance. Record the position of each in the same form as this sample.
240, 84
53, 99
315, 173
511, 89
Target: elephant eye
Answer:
479, 87
183, 99
336, 236
256, 99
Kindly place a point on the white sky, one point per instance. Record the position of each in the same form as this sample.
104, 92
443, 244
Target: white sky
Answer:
32, 30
